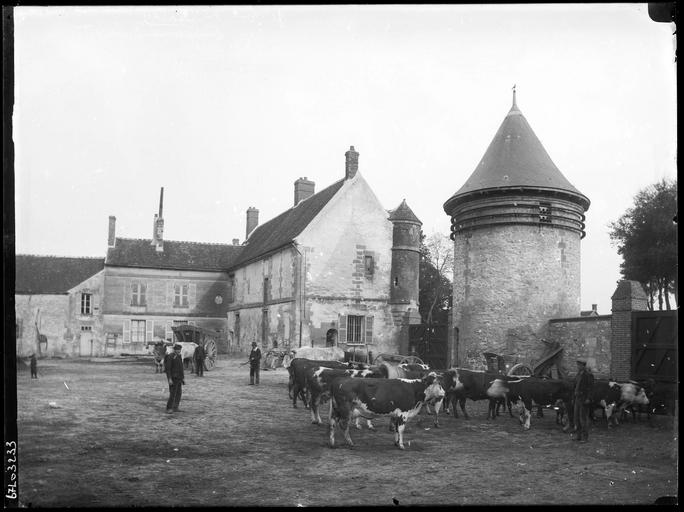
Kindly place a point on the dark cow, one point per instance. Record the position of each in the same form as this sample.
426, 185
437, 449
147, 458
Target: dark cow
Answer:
400, 399
298, 371
605, 395
319, 380
661, 395
460, 384
531, 391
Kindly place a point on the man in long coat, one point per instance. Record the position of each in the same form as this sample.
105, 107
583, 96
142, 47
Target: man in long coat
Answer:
584, 381
173, 366
199, 356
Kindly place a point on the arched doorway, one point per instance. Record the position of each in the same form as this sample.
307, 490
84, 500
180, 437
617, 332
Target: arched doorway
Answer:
331, 338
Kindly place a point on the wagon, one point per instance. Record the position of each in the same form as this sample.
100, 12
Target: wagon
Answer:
206, 337
389, 364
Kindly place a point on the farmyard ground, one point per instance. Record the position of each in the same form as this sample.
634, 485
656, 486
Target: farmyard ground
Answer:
108, 443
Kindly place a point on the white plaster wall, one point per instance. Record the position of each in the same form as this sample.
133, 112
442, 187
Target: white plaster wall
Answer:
353, 217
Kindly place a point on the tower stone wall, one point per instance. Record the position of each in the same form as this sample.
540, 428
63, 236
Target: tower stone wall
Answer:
508, 282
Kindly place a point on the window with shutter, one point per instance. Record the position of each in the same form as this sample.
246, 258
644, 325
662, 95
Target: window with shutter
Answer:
369, 329
342, 335
192, 295
149, 334
127, 331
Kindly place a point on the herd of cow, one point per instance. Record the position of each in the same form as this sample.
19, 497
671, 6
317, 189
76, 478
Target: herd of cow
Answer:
365, 392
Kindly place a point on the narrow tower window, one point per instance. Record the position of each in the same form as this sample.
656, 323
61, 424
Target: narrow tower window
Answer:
396, 281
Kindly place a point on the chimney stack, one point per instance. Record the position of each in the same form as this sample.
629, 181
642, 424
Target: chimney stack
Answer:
352, 163
593, 308
252, 220
236, 241
303, 188
111, 240
158, 229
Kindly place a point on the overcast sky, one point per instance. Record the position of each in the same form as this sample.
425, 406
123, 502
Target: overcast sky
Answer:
225, 107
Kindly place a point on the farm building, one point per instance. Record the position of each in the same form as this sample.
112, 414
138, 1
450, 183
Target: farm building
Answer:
57, 304
334, 269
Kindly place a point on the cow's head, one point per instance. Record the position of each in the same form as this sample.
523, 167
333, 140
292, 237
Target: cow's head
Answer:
433, 387
452, 382
634, 393
498, 388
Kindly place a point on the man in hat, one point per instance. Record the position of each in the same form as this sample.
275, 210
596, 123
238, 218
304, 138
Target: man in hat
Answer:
34, 367
173, 365
199, 356
254, 363
584, 381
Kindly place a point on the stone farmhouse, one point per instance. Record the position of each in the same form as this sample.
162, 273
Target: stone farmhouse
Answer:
334, 269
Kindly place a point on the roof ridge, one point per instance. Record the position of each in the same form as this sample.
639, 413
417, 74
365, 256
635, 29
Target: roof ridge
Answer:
57, 256
180, 242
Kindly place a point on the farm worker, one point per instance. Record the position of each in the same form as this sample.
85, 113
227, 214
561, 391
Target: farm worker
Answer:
173, 365
199, 360
584, 381
34, 367
254, 363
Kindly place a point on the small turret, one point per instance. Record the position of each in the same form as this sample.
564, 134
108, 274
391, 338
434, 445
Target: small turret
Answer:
405, 255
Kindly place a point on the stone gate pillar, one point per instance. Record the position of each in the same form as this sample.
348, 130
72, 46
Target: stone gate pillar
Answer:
629, 296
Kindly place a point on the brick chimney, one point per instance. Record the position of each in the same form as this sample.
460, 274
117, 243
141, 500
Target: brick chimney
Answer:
236, 241
303, 188
252, 220
594, 308
111, 240
352, 163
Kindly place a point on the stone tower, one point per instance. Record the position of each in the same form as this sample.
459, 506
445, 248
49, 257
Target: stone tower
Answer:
516, 224
405, 270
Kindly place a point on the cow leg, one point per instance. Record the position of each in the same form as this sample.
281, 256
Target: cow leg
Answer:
461, 403
492, 409
295, 394
369, 424
315, 402
399, 435
438, 406
526, 415
357, 423
346, 433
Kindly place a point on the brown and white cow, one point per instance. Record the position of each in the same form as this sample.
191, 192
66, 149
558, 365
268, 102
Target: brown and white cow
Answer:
319, 380
400, 399
298, 369
461, 383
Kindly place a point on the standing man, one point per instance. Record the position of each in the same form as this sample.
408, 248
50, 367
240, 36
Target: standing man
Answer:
199, 356
254, 363
584, 381
173, 365
34, 367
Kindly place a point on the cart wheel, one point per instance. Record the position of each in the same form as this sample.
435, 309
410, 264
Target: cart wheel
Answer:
211, 352
411, 360
520, 370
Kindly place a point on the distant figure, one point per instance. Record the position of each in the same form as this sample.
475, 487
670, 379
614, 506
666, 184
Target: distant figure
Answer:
34, 367
199, 360
584, 381
254, 364
173, 365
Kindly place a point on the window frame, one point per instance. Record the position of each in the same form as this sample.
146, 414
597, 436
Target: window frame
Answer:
86, 303
180, 299
138, 293
135, 333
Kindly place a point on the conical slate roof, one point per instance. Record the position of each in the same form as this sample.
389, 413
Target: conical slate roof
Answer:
516, 159
403, 212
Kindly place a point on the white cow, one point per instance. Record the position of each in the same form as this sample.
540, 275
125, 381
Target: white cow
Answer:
187, 352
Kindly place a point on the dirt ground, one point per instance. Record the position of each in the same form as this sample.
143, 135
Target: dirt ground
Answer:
107, 441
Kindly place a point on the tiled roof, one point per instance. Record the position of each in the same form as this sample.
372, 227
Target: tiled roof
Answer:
129, 252
516, 159
283, 229
403, 212
53, 274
